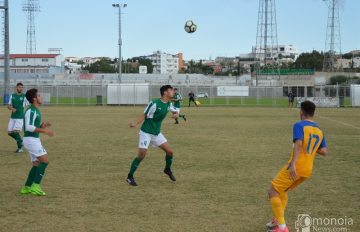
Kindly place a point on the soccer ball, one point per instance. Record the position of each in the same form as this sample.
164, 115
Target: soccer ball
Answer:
190, 26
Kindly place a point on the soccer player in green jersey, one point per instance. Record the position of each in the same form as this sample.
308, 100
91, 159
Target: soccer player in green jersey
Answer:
38, 155
177, 104
151, 120
16, 105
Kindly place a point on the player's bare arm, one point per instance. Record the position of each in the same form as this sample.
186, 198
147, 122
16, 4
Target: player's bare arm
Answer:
322, 151
45, 125
45, 130
292, 166
12, 109
138, 121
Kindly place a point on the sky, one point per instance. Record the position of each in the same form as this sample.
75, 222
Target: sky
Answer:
225, 27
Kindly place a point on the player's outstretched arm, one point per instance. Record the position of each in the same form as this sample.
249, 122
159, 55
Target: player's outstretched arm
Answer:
322, 151
139, 120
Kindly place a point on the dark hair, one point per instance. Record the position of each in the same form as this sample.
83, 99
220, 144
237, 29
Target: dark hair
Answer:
31, 94
164, 88
308, 108
175, 88
19, 84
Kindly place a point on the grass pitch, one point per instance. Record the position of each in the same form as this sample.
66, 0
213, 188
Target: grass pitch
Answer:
225, 159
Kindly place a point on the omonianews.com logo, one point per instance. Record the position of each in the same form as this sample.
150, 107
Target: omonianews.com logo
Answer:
307, 223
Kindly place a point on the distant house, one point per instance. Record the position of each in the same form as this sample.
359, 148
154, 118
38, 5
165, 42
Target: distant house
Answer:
356, 62
72, 59
35, 63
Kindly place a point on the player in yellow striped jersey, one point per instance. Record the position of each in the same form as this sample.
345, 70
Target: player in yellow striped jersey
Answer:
308, 141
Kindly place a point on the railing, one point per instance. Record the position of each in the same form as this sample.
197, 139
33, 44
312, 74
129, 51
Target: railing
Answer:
258, 96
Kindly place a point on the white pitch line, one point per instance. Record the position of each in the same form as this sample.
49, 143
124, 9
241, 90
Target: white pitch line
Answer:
340, 122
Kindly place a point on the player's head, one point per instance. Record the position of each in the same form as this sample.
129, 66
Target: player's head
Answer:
175, 90
33, 96
307, 109
167, 91
19, 87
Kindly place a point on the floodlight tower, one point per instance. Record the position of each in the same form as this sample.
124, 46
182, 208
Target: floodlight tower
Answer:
31, 7
7, 90
119, 6
333, 37
266, 50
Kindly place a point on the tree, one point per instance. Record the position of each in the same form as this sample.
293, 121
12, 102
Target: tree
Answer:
144, 62
313, 60
101, 66
199, 67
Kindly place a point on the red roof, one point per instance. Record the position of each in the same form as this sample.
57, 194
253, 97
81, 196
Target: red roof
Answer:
15, 56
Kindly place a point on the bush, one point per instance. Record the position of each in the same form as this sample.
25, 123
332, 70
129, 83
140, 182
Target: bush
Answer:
338, 80
341, 80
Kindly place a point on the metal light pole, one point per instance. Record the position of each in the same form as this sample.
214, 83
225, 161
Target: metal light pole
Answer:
5, 7
120, 40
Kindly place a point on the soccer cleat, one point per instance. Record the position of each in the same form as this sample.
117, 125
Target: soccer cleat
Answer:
19, 150
36, 190
272, 223
184, 117
25, 190
131, 181
170, 174
278, 229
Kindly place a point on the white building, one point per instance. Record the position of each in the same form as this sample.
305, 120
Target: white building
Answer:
356, 62
73, 68
285, 53
89, 60
35, 63
343, 63
164, 63
72, 59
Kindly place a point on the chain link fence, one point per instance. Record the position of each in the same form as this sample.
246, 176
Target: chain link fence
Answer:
206, 95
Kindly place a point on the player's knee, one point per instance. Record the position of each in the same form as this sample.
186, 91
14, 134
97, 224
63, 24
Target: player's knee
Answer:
36, 163
141, 154
170, 152
273, 193
44, 159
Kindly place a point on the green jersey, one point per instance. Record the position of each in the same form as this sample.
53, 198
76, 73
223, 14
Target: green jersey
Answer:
32, 121
18, 102
155, 113
177, 100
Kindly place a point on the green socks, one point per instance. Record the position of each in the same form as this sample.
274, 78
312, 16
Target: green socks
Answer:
134, 166
17, 137
137, 161
40, 172
31, 176
169, 160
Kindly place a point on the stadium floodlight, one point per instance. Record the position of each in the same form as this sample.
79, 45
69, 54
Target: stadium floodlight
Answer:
5, 8
119, 6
